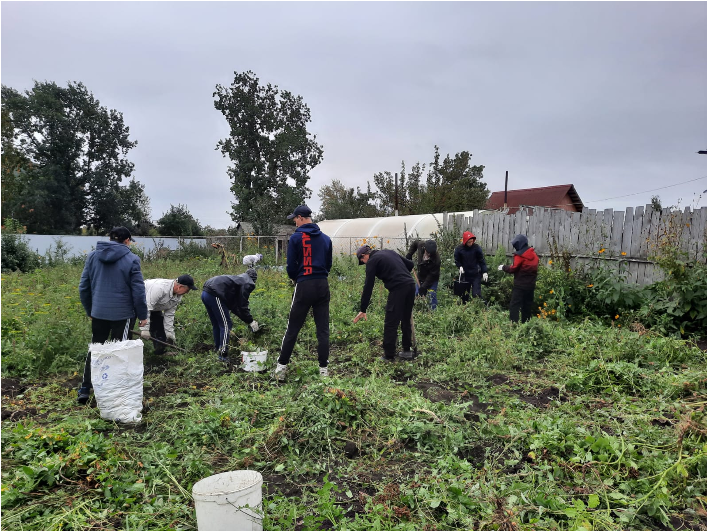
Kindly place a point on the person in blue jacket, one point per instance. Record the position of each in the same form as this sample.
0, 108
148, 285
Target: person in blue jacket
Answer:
309, 259
470, 260
112, 293
222, 295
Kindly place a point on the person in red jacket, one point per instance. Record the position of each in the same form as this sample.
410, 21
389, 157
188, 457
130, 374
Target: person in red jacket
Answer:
525, 271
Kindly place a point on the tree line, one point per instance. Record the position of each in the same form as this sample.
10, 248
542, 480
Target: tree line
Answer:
65, 166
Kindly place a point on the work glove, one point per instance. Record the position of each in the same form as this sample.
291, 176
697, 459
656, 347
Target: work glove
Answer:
145, 335
461, 270
500, 267
170, 340
254, 326
485, 277
422, 292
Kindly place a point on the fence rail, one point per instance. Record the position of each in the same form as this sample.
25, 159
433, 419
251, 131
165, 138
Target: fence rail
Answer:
627, 237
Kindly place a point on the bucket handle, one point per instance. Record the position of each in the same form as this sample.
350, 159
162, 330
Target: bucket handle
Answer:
250, 517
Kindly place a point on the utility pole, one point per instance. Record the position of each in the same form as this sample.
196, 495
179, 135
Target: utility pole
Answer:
505, 193
396, 193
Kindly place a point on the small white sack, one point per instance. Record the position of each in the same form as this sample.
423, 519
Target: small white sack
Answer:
116, 375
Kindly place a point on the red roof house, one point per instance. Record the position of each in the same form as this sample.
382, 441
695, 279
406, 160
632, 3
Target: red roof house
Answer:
563, 197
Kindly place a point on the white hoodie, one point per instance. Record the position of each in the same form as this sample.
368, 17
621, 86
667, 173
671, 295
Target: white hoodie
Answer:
161, 297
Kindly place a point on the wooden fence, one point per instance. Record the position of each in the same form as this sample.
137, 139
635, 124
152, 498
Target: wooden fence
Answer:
623, 239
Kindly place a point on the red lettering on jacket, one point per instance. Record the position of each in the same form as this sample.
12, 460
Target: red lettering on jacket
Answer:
307, 252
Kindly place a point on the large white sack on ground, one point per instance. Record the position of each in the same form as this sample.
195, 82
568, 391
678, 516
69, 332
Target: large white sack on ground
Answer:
116, 375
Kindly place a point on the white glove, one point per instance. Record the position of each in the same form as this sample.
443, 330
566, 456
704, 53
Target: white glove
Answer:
485, 277
500, 267
171, 338
145, 335
461, 270
254, 326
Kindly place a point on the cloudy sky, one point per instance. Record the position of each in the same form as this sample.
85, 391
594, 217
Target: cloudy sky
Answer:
611, 97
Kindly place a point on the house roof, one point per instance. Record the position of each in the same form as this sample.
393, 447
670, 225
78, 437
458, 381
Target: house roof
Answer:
536, 197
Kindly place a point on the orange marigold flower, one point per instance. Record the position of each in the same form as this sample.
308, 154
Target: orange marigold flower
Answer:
623, 253
549, 262
602, 250
552, 291
590, 285
616, 317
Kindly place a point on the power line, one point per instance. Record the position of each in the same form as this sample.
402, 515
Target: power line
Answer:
652, 190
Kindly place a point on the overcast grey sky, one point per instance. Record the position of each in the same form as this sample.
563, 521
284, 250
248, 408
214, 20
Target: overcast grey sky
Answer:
611, 97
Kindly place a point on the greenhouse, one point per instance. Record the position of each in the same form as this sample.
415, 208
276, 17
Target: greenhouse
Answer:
383, 233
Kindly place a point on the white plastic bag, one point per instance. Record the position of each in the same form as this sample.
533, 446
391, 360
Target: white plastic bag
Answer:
116, 375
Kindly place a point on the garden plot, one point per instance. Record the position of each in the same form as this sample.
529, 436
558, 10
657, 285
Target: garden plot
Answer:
549, 425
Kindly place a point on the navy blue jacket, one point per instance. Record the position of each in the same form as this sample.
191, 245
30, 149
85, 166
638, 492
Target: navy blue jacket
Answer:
308, 254
234, 291
471, 258
391, 268
111, 286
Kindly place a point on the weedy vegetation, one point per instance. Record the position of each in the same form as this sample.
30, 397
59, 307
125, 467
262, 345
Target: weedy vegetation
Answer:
590, 416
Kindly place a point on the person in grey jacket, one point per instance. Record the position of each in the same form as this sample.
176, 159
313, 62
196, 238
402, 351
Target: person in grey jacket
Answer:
112, 292
163, 297
222, 295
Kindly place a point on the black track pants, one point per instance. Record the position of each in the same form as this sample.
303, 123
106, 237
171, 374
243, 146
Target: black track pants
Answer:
157, 331
398, 312
313, 294
522, 300
101, 331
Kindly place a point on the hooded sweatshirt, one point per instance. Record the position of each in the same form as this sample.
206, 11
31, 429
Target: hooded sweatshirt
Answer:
525, 264
309, 254
111, 286
234, 291
391, 268
471, 258
427, 268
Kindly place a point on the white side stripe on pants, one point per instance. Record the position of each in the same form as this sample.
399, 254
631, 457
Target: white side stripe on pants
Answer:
126, 330
224, 340
292, 304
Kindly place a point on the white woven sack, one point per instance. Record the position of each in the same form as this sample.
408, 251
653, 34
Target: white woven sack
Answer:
116, 375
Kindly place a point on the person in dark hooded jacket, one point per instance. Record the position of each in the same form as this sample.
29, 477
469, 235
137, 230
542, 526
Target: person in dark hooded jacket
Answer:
309, 260
428, 267
470, 260
525, 271
112, 292
222, 295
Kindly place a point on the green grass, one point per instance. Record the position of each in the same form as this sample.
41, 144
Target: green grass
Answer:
548, 425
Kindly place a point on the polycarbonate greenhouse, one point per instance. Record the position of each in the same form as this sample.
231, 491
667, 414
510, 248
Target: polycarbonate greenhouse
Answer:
381, 233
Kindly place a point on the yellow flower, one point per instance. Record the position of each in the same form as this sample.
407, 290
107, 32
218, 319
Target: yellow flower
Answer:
553, 311
538, 315
552, 291
602, 250
623, 253
590, 285
619, 325
544, 304
549, 262
616, 317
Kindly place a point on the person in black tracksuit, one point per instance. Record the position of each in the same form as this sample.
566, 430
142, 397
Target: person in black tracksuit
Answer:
470, 260
309, 259
394, 270
428, 267
222, 295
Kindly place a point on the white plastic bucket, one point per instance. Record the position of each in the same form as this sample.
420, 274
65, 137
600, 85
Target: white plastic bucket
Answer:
254, 360
229, 501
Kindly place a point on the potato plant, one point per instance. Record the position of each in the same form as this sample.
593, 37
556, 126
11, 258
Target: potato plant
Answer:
553, 424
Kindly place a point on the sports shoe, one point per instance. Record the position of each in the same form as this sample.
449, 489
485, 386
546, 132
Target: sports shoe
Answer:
281, 372
323, 372
406, 355
83, 396
386, 359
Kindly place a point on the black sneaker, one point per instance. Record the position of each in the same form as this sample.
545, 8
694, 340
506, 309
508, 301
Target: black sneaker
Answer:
83, 396
386, 359
406, 355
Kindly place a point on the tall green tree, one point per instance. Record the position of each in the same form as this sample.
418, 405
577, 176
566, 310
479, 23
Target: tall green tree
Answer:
270, 149
339, 201
67, 159
178, 221
453, 184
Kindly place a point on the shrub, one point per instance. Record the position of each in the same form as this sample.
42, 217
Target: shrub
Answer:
16, 253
